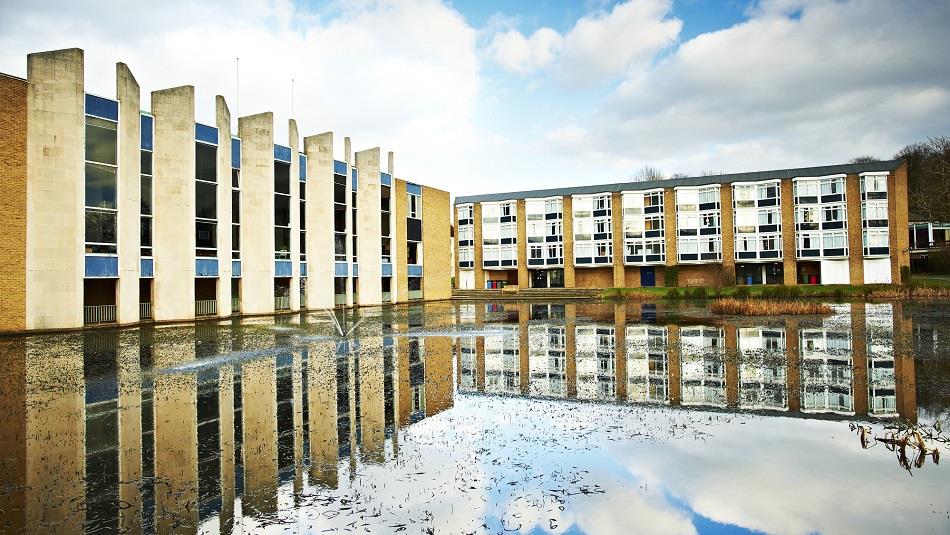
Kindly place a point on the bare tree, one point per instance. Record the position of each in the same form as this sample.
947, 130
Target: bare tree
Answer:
865, 158
708, 172
648, 173
928, 177
679, 175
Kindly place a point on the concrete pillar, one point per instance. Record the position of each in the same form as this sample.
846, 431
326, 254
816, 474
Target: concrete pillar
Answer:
479, 269
567, 206
669, 226
257, 213
524, 314
55, 189
436, 241
351, 225
226, 429
294, 137
129, 183
296, 371
320, 274
176, 452
438, 367
173, 194
372, 404
223, 123
129, 381
322, 391
259, 414
479, 348
457, 270
400, 266
897, 218
789, 262
368, 238
524, 279
859, 355
904, 364
855, 230
616, 223
728, 275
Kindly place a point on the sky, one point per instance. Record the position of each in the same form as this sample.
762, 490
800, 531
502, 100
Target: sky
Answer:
481, 96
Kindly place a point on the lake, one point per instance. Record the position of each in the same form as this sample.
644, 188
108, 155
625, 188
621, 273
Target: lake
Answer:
484, 417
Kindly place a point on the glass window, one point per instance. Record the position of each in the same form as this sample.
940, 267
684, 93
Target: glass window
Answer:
205, 235
235, 206
236, 237
415, 206
146, 162
100, 226
282, 210
206, 162
101, 141
206, 202
145, 236
282, 178
412, 252
303, 215
282, 239
146, 196
100, 186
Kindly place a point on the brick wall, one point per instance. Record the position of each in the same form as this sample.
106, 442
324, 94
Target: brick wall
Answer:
855, 241
436, 240
594, 277
12, 203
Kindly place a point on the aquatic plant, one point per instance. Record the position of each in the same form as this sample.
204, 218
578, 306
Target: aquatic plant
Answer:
902, 438
749, 307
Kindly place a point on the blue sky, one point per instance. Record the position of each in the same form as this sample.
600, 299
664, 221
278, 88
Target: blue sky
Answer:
479, 96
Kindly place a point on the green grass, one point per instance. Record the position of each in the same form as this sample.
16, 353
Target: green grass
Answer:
927, 281
804, 291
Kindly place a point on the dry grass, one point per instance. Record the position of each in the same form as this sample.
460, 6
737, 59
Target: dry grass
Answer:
899, 292
750, 307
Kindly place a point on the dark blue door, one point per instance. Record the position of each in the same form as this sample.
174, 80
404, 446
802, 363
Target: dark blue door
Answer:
647, 276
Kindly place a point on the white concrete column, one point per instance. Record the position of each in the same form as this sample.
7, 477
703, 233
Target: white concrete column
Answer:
257, 213
223, 122
55, 189
294, 137
348, 158
129, 194
320, 273
173, 194
368, 226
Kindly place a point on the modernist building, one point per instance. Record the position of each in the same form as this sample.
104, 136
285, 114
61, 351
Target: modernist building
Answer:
114, 214
836, 224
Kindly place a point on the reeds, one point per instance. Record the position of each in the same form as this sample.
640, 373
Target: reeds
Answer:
911, 292
761, 307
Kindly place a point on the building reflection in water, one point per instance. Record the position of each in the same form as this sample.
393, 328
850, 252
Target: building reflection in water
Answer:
179, 429
855, 362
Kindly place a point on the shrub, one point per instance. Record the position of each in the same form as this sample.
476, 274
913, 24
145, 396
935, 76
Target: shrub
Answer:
671, 276
743, 292
698, 293
748, 307
839, 294
672, 293
905, 274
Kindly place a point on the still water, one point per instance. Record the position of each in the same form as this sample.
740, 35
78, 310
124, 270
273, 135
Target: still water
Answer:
482, 418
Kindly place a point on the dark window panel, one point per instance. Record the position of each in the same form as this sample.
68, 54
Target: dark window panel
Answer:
206, 201
282, 210
145, 235
146, 196
100, 186
101, 141
282, 239
146, 163
100, 226
282, 178
206, 235
206, 162
235, 206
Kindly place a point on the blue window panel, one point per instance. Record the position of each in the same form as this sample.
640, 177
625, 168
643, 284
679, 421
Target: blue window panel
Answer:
354, 178
282, 153
235, 268
206, 267
102, 266
146, 268
283, 268
285, 360
340, 269
102, 107
303, 269
413, 188
356, 270
235, 153
339, 167
388, 341
414, 270
98, 390
386, 179
302, 164
206, 134
387, 270
147, 139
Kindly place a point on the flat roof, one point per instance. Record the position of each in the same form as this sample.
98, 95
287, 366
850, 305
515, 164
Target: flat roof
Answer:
755, 176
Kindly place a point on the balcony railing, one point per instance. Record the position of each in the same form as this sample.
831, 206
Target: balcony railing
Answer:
145, 311
235, 305
282, 303
206, 308
99, 314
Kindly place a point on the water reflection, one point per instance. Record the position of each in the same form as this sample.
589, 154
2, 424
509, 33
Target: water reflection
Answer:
856, 362
241, 425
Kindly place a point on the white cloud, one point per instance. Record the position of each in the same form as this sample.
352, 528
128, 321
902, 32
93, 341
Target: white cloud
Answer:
401, 75
602, 45
800, 83
517, 53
